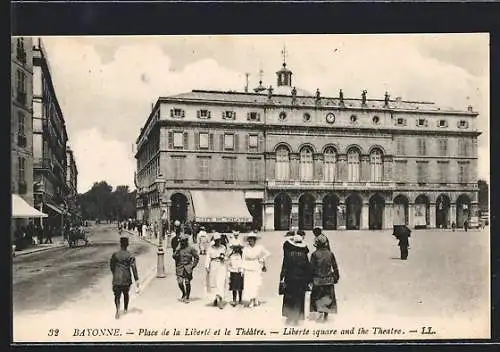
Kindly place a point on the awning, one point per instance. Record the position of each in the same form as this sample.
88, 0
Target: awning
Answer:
220, 206
254, 195
21, 209
56, 209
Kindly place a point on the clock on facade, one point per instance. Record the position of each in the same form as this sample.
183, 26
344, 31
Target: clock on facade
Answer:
330, 118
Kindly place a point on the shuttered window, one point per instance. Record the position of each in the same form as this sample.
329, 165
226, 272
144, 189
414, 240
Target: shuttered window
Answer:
203, 140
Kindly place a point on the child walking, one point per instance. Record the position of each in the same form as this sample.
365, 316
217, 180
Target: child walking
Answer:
235, 260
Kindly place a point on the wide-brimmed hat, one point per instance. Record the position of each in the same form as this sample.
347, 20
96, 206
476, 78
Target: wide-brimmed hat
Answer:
297, 241
216, 236
177, 223
255, 235
184, 237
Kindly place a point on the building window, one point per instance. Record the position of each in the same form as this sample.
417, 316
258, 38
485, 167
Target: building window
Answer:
204, 114
353, 165
401, 167
178, 113
421, 172
463, 147
21, 137
463, 170
307, 117
254, 170
203, 140
376, 166
21, 176
229, 169
253, 116
463, 124
21, 87
442, 123
253, 142
204, 169
400, 146
401, 121
282, 163
376, 120
178, 165
354, 118
443, 147
178, 140
228, 115
329, 165
421, 122
422, 148
228, 141
443, 171
282, 116
306, 164
20, 51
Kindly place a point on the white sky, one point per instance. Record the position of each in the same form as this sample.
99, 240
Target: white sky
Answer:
105, 85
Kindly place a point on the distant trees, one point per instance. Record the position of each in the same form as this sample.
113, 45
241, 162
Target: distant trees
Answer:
103, 203
483, 195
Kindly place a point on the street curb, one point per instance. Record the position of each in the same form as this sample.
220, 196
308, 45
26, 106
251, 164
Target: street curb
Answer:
21, 253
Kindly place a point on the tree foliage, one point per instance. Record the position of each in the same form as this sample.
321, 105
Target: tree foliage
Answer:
103, 203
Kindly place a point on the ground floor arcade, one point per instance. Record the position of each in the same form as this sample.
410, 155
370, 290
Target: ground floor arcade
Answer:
345, 210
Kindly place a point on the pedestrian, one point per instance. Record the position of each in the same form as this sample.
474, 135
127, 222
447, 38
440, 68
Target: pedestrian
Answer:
139, 229
216, 271
203, 240
453, 226
402, 233
254, 264
144, 229
48, 237
317, 232
325, 274
235, 239
39, 233
466, 225
122, 263
235, 268
186, 259
295, 277
177, 234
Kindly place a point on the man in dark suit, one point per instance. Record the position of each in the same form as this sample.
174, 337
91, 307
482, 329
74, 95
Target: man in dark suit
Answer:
402, 233
121, 265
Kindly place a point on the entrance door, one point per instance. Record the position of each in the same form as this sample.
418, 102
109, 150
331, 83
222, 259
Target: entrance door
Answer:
376, 212
255, 209
282, 211
306, 212
353, 212
330, 204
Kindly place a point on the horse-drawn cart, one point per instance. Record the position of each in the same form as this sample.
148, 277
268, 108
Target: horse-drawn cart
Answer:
77, 235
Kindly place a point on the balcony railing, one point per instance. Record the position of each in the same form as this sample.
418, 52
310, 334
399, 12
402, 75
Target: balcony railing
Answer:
276, 184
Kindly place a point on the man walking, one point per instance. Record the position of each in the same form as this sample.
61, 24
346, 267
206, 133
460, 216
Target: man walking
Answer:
402, 233
186, 258
121, 265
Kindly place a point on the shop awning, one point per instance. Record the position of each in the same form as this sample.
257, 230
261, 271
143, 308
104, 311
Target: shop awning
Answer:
21, 209
220, 206
56, 209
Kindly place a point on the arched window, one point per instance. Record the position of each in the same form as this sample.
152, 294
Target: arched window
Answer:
282, 171
376, 166
329, 165
306, 164
353, 165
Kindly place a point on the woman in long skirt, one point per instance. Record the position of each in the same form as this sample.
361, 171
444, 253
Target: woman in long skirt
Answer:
325, 274
295, 275
216, 271
254, 264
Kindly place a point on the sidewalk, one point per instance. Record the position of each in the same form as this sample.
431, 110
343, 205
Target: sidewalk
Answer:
57, 242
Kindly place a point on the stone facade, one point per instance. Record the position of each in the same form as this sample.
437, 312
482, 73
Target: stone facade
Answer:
318, 161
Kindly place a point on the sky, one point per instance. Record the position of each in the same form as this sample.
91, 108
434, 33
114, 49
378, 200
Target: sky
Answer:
106, 85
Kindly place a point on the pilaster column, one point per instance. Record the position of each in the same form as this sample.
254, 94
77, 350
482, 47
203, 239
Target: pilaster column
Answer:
294, 166
452, 214
341, 216
411, 215
388, 220
270, 166
342, 168
318, 214
268, 217
294, 215
365, 209
432, 216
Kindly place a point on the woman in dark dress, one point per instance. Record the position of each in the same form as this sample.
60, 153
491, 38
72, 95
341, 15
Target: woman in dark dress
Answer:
295, 276
325, 274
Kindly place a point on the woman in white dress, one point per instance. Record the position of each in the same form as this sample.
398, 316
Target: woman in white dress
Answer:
254, 264
216, 271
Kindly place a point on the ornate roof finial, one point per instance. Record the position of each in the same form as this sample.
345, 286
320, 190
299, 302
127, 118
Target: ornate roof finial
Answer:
284, 53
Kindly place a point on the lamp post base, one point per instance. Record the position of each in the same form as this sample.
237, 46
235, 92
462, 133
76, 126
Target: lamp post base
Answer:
160, 271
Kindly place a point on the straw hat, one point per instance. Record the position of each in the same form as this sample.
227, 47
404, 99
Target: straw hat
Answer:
216, 236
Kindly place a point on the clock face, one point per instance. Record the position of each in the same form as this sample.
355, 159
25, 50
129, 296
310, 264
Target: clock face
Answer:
330, 118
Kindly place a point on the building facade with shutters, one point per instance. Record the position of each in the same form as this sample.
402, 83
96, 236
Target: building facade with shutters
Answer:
303, 160
49, 144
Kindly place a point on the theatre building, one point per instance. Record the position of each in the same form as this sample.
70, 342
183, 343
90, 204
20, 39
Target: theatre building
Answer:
289, 158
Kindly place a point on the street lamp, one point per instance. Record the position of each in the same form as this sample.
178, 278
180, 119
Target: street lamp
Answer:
160, 186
